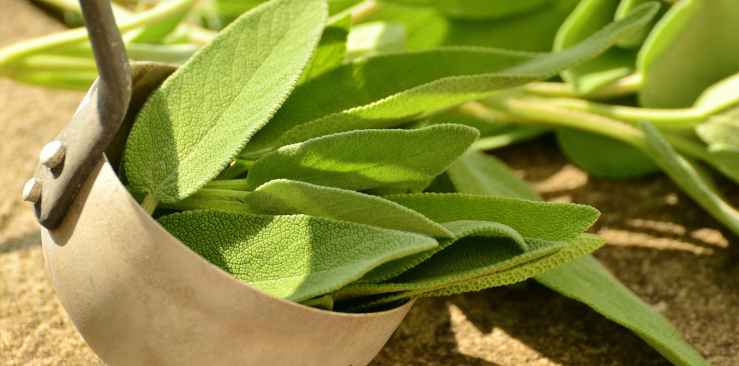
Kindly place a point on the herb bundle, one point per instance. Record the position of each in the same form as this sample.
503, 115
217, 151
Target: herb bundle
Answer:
331, 155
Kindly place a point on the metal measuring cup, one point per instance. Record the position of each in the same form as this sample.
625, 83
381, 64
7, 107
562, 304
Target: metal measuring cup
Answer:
136, 294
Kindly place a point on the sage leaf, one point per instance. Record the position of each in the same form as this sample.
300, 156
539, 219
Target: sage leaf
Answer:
479, 248
540, 220
604, 157
202, 116
428, 27
370, 39
586, 19
578, 247
285, 197
719, 130
294, 257
481, 174
636, 39
719, 96
567, 279
386, 91
477, 10
331, 50
366, 159
587, 281
692, 47
550, 256
685, 176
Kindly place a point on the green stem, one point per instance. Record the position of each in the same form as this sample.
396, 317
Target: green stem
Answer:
684, 118
19, 50
237, 168
554, 116
229, 184
213, 199
622, 87
358, 12
519, 134
149, 203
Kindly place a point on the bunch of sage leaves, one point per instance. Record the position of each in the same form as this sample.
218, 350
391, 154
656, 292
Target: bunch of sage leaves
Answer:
334, 130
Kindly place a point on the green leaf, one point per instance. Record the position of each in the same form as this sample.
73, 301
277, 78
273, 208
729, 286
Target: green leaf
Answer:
478, 249
692, 47
294, 257
604, 157
586, 19
480, 174
542, 257
203, 115
587, 281
427, 27
331, 51
285, 197
578, 247
636, 39
374, 38
366, 159
719, 130
478, 10
721, 95
685, 176
386, 91
531, 219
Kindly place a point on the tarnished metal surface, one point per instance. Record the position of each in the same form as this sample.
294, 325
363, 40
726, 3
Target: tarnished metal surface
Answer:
95, 123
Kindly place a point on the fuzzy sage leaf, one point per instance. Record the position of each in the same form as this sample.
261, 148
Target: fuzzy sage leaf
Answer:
295, 257
367, 159
203, 115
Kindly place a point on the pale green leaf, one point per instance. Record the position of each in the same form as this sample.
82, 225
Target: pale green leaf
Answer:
587, 281
285, 197
366, 159
295, 257
480, 174
586, 19
478, 10
636, 39
388, 90
370, 39
478, 249
719, 96
331, 51
719, 130
685, 176
604, 157
427, 27
692, 47
531, 219
203, 115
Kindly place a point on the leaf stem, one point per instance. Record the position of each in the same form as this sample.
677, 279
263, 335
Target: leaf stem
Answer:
19, 50
625, 86
358, 12
149, 203
510, 137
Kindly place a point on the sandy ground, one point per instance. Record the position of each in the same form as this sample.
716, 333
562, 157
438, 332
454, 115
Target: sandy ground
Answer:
660, 244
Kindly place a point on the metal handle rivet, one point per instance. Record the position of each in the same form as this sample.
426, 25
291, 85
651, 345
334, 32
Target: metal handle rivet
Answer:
32, 190
52, 155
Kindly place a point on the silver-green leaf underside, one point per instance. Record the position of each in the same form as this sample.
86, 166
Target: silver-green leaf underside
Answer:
295, 257
203, 115
540, 220
285, 197
389, 90
478, 249
366, 159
